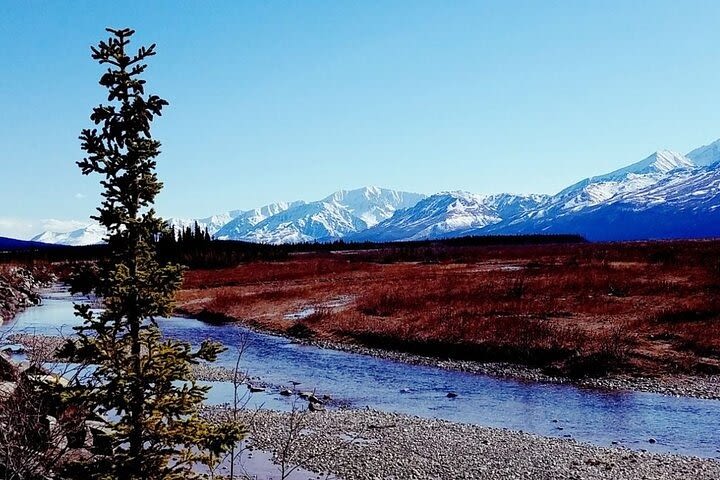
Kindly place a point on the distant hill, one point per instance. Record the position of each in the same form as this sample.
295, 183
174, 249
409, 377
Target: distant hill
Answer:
8, 244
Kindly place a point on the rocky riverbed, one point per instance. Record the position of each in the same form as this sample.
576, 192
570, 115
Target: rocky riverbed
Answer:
369, 444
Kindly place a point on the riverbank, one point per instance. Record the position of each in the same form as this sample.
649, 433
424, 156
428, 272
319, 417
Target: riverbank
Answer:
676, 385
368, 444
705, 386
19, 289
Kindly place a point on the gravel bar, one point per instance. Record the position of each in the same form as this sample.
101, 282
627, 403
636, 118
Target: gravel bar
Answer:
369, 444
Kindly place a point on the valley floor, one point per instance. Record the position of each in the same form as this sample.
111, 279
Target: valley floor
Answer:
644, 316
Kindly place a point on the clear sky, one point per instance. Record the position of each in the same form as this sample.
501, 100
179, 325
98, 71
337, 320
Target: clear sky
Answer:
274, 100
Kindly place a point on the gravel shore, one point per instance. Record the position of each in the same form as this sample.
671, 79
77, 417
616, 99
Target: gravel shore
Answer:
368, 444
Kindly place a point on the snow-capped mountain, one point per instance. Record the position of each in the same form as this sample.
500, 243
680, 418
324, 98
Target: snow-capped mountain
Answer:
243, 222
684, 205
343, 212
667, 195
445, 214
596, 190
706, 155
316, 221
373, 204
332, 218
90, 235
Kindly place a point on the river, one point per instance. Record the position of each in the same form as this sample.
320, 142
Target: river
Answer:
677, 424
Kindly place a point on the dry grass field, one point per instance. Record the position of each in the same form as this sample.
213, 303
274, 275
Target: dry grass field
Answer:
579, 309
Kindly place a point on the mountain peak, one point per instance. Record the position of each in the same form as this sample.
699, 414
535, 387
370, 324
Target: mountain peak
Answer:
373, 204
661, 161
667, 161
706, 155
90, 235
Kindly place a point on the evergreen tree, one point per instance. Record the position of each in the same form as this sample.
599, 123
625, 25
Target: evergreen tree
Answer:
141, 379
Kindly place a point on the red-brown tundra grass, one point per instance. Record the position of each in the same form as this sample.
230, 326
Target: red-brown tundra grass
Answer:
585, 309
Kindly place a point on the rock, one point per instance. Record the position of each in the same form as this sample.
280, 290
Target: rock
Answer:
7, 389
316, 407
13, 350
451, 395
50, 379
405, 390
306, 395
57, 435
8, 370
652, 440
255, 389
286, 392
76, 456
313, 399
102, 435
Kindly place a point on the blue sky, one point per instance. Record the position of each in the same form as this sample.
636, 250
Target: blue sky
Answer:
275, 100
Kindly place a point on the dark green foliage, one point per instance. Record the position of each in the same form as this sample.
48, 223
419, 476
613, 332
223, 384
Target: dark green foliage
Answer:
140, 378
229, 253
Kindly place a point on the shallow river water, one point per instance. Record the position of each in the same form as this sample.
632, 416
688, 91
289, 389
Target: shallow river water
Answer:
678, 425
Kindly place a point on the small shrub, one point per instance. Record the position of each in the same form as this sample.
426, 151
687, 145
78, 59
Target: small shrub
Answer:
301, 330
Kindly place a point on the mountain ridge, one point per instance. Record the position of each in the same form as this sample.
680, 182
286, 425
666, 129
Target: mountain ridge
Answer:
641, 200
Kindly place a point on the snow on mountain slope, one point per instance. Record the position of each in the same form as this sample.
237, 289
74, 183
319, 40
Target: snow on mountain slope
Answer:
240, 225
508, 205
343, 212
90, 235
316, 221
695, 189
666, 195
706, 155
373, 204
640, 175
684, 205
443, 214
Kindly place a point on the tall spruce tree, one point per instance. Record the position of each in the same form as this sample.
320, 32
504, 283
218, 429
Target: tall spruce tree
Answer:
142, 380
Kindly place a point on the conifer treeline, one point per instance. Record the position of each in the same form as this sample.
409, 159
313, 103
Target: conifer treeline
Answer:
195, 248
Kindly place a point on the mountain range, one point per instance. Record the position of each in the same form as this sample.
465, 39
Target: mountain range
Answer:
666, 195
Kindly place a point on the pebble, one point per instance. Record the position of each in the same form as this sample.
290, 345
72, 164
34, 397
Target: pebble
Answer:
369, 444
